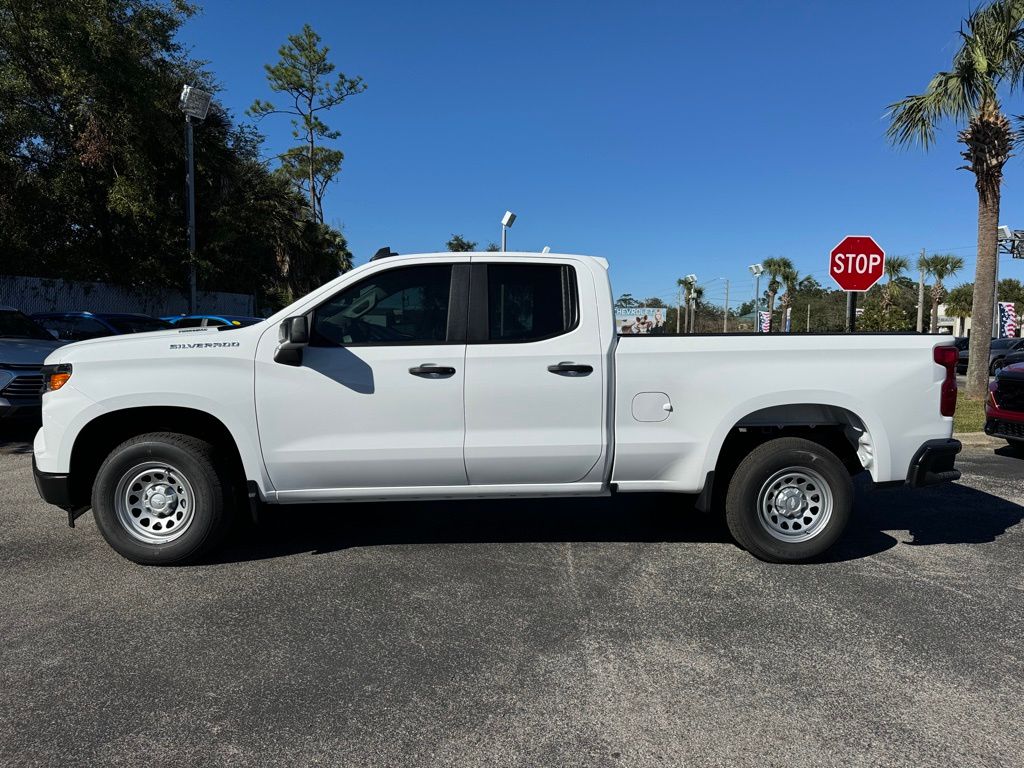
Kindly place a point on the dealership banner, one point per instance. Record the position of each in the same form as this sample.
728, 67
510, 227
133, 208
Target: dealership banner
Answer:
640, 320
1007, 319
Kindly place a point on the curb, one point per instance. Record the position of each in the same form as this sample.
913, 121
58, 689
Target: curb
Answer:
978, 440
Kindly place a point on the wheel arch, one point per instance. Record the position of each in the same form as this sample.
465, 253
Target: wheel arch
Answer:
834, 426
103, 433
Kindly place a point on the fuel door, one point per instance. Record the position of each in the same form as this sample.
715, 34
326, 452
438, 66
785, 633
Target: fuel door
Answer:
651, 406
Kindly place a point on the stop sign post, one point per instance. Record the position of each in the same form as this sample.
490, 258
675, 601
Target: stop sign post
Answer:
856, 264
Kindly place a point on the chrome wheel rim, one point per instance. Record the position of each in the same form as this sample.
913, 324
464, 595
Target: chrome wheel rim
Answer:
794, 504
154, 503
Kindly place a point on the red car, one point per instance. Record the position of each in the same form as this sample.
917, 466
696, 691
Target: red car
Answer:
1004, 409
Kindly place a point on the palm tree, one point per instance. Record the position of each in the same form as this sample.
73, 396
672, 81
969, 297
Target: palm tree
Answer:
790, 279
895, 266
958, 300
991, 55
941, 267
776, 267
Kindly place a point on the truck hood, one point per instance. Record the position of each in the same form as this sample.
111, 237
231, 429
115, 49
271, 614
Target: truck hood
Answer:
133, 344
26, 351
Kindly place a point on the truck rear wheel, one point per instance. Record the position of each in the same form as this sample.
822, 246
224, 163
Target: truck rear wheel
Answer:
161, 498
789, 500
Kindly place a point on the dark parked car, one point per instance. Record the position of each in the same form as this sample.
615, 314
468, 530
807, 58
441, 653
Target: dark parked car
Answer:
79, 326
24, 346
1004, 409
1012, 358
999, 350
212, 321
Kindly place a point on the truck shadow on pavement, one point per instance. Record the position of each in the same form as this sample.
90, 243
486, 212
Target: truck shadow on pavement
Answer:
949, 514
953, 514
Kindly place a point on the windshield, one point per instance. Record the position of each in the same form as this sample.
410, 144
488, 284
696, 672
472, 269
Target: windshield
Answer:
14, 325
138, 324
1002, 343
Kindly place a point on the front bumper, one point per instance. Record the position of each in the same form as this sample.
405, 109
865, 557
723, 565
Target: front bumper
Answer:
1008, 429
1002, 422
19, 407
933, 463
54, 488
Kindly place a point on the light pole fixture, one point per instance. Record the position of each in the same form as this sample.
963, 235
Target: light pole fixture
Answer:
691, 282
757, 270
195, 103
1011, 242
506, 221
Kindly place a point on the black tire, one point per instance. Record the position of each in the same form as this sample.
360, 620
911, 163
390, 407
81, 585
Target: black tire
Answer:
209, 509
995, 367
753, 473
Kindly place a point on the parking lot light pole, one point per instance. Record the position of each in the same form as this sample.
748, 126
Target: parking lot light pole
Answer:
1011, 242
690, 281
506, 221
756, 270
195, 104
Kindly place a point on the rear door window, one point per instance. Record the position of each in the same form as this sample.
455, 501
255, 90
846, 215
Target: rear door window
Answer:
530, 302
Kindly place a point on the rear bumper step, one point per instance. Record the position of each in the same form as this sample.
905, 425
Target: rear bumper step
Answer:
933, 463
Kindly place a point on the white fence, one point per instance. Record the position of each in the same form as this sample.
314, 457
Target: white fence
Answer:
36, 294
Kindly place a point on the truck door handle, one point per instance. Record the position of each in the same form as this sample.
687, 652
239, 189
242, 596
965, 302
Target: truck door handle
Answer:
571, 369
431, 371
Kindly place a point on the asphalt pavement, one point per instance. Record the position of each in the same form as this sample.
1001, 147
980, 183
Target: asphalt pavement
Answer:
618, 632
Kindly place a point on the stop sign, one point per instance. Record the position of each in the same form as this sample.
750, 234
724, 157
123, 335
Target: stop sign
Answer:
856, 263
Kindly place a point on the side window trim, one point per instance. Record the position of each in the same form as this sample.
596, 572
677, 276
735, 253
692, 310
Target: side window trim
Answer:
458, 307
479, 330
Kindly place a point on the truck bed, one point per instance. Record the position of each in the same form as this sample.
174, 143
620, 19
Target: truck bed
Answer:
885, 386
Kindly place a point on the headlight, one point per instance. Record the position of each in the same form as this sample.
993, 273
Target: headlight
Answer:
55, 376
6, 377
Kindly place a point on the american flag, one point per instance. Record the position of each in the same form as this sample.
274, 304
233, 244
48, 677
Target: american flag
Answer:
1007, 319
766, 321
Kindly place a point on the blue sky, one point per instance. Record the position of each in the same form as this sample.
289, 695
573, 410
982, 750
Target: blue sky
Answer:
669, 137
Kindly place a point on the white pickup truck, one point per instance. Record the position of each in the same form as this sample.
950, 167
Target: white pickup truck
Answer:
483, 375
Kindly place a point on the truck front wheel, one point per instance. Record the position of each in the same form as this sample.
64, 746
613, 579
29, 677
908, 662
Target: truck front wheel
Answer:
789, 500
161, 498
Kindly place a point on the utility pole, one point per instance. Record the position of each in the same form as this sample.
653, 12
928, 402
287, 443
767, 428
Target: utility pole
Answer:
679, 305
725, 321
921, 294
808, 318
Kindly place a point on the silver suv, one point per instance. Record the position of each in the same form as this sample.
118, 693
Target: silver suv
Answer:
24, 345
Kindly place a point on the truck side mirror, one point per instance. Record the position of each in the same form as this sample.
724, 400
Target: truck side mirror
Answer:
292, 336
